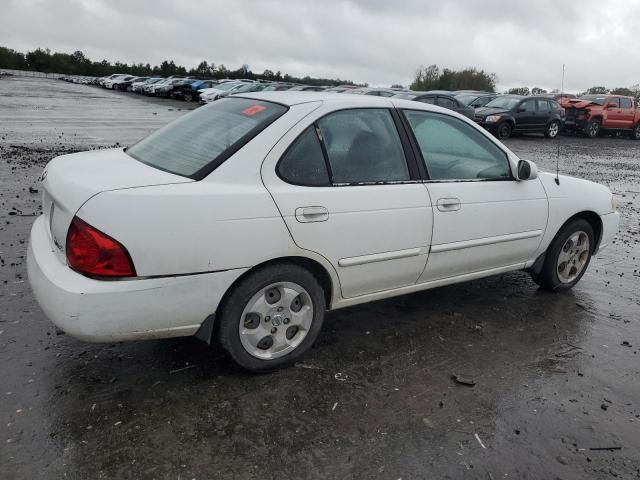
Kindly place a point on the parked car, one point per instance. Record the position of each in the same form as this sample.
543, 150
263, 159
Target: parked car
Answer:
191, 91
138, 87
124, 83
595, 114
107, 82
440, 98
151, 88
307, 88
165, 89
243, 221
476, 100
380, 92
278, 87
341, 88
222, 90
509, 114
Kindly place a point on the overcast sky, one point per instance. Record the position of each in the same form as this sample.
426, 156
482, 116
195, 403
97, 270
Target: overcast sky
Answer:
376, 41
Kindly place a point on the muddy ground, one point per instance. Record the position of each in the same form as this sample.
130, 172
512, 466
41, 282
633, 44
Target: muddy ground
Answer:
557, 392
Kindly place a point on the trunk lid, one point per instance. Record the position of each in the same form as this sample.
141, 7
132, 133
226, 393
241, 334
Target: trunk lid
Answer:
70, 180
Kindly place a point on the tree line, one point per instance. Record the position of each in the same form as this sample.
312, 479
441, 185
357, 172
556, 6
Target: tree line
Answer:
634, 91
76, 63
432, 78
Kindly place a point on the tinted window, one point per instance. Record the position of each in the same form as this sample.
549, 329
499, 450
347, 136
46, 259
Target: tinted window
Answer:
614, 101
195, 141
431, 100
446, 102
626, 103
303, 163
363, 146
543, 105
386, 94
453, 150
528, 106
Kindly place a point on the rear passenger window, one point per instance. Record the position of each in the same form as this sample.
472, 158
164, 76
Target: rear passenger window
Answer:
454, 150
303, 163
626, 103
363, 146
543, 105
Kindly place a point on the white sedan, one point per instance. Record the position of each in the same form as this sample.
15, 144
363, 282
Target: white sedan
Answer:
244, 221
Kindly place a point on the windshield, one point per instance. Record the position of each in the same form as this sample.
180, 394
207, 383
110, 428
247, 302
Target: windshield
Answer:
193, 145
504, 102
597, 99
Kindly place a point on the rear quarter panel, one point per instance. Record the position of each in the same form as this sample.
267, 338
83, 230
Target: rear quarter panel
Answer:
226, 221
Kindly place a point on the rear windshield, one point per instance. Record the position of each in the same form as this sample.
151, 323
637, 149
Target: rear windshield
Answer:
193, 145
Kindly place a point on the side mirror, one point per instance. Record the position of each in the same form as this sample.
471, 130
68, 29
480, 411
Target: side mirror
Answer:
522, 110
612, 106
527, 170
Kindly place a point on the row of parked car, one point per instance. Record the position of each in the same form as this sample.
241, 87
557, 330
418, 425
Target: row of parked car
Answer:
503, 115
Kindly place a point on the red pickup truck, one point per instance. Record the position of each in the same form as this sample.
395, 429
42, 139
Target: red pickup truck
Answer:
594, 114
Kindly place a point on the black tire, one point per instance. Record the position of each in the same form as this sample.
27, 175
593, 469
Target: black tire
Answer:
231, 309
188, 97
636, 132
548, 278
504, 130
553, 129
593, 128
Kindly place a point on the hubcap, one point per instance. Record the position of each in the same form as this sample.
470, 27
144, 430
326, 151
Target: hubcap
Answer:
276, 320
595, 127
573, 257
553, 129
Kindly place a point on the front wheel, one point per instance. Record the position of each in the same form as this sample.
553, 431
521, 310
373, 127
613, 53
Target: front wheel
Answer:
568, 256
636, 132
188, 97
593, 128
271, 317
553, 129
504, 130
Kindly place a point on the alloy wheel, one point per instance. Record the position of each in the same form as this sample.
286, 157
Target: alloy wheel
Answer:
573, 257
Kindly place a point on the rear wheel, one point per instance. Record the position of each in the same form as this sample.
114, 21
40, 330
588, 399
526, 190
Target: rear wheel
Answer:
568, 256
636, 132
593, 128
188, 96
272, 317
553, 129
504, 130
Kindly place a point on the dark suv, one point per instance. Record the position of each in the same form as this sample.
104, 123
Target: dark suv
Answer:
515, 114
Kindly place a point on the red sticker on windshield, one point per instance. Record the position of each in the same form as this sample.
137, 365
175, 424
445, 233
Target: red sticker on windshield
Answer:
251, 111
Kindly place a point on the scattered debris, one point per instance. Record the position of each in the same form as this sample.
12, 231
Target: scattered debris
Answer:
479, 441
626, 344
334, 406
463, 379
341, 377
605, 448
183, 368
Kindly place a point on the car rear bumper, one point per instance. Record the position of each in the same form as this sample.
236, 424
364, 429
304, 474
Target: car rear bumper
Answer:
610, 223
116, 310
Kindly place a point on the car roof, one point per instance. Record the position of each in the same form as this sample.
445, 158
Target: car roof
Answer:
348, 101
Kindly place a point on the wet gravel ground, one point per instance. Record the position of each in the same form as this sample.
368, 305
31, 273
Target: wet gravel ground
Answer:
557, 392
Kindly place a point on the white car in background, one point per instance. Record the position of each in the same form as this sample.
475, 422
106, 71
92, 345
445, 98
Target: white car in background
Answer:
208, 95
244, 221
138, 86
108, 83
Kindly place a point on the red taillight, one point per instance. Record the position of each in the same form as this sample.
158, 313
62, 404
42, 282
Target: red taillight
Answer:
91, 252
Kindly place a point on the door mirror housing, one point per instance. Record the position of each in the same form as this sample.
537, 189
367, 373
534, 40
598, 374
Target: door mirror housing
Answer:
612, 106
526, 170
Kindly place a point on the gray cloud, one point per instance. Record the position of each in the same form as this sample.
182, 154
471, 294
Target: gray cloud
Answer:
376, 41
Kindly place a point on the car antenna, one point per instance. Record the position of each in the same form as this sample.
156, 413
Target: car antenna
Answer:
557, 179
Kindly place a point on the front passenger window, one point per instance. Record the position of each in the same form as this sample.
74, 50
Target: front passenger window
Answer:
454, 150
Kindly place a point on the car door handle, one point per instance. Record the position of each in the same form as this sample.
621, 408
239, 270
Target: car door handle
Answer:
312, 214
448, 204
